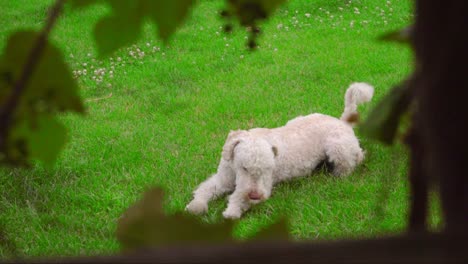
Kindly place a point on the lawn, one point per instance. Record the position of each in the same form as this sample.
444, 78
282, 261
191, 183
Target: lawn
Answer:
158, 115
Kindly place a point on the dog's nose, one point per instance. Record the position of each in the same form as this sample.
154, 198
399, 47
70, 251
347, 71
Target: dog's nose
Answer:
253, 195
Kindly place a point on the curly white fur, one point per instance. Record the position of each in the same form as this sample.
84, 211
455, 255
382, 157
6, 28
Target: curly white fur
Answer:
254, 160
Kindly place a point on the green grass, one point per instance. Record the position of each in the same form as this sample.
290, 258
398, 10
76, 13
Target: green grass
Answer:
162, 120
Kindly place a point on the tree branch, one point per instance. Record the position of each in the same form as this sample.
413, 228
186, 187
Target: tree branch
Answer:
7, 110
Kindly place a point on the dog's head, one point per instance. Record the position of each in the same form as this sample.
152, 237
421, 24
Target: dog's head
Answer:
253, 160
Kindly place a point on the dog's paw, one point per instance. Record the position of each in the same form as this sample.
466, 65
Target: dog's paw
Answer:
232, 213
197, 207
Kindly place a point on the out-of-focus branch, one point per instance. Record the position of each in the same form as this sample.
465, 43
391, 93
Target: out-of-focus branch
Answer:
7, 110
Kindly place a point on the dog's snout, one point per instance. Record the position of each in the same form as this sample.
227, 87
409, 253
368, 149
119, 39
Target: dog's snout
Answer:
253, 195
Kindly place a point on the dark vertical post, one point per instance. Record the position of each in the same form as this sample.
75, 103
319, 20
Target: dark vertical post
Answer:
441, 46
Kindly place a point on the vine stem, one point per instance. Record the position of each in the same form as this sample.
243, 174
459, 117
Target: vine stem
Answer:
30, 65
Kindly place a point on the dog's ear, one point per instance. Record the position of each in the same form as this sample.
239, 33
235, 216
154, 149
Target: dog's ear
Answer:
275, 151
233, 139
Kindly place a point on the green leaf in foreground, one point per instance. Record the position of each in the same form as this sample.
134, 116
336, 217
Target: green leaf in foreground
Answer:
145, 225
51, 84
277, 231
114, 32
33, 131
44, 138
124, 25
249, 13
382, 123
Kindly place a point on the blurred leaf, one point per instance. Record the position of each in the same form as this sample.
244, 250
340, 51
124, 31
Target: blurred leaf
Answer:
145, 225
44, 138
249, 13
277, 231
168, 15
112, 33
382, 123
33, 131
402, 36
124, 25
51, 81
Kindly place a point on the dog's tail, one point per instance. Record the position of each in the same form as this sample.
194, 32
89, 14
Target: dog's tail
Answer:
356, 94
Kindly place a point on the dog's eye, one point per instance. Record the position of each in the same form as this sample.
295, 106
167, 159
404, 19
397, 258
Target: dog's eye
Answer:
245, 169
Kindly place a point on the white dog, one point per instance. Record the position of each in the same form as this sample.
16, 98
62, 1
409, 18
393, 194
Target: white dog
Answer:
254, 160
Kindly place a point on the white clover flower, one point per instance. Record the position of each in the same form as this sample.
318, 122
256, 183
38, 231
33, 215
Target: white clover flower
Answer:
279, 26
307, 15
85, 64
